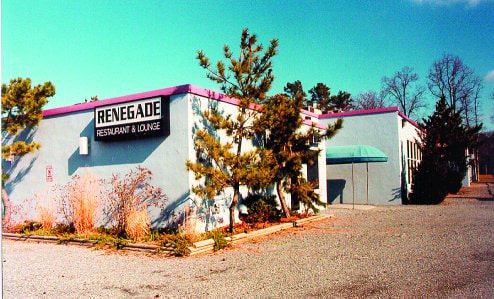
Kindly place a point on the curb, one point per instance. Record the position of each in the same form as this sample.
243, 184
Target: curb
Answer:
206, 246
168, 250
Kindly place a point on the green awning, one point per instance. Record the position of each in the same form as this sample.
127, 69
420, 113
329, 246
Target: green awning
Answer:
354, 154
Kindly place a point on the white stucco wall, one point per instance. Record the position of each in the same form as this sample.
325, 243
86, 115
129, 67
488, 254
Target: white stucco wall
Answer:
215, 217
381, 131
407, 132
164, 156
59, 137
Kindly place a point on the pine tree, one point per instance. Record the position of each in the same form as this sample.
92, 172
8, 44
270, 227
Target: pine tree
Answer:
342, 101
290, 146
320, 94
223, 164
22, 105
444, 141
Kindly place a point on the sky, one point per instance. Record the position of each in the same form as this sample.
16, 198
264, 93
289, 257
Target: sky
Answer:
115, 48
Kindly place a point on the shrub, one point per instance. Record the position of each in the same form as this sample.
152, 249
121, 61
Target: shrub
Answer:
180, 242
443, 143
130, 193
261, 208
219, 238
79, 201
46, 210
138, 224
62, 228
27, 227
189, 225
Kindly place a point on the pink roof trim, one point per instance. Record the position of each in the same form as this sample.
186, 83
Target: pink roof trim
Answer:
359, 112
372, 111
91, 105
187, 88
411, 121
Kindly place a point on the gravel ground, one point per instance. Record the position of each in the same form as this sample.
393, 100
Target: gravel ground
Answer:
405, 251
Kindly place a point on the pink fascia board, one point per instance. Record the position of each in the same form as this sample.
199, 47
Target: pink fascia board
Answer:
360, 112
149, 94
308, 113
186, 88
372, 111
411, 121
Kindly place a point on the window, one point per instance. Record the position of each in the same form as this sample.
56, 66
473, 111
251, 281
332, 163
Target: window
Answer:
413, 158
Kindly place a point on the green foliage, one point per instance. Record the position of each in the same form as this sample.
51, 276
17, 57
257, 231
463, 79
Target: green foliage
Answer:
62, 228
295, 91
289, 144
27, 227
222, 163
249, 77
65, 237
444, 164
261, 208
320, 95
22, 105
303, 191
115, 242
218, 235
180, 242
342, 101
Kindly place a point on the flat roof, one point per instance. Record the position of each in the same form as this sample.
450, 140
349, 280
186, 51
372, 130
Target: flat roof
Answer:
188, 88
395, 109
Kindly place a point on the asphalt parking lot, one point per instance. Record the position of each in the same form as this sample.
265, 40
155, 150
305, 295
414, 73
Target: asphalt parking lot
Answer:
405, 251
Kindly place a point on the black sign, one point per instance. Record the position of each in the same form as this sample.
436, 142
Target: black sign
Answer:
142, 118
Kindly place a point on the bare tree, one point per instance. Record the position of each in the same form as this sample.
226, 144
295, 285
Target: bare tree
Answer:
369, 100
449, 77
402, 89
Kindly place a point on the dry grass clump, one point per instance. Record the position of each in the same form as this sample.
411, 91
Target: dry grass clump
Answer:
137, 223
46, 210
79, 202
189, 226
131, 193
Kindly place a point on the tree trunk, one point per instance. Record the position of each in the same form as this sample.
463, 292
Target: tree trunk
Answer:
7, 208
281, 196
236, 193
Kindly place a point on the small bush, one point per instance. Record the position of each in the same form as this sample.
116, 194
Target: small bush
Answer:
219, 238
138, 224
108, 240
27, 227
46, 210
132, 192
261, 208
46, 218
79, 201
62, 228
180, 242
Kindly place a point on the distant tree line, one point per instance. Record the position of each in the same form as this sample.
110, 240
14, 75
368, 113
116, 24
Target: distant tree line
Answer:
448, 77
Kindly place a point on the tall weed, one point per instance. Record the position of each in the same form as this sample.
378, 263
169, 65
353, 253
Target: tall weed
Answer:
131, 193
80, 200
138, 224
46, 209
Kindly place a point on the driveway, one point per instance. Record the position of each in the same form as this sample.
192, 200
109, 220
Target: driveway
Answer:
405, 251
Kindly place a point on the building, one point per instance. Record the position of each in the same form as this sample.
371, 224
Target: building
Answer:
152, 129
386, 129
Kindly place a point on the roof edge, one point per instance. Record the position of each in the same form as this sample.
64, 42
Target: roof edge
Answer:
360, 112
186, 88
148, 94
